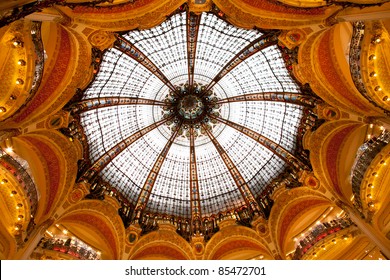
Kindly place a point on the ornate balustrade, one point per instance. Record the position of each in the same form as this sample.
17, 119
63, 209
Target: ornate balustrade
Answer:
318, 233
364, 157
355, 62
70, 246
23, 177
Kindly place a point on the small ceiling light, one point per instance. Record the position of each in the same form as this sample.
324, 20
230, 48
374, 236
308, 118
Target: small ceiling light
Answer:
345, 237
13, 193
376, 39
385, 98
4, 181
261, 257
21, 62
65, 231
334, 241
12, 97
372, 57
19, 82
369, 195
371, 204
9, 149
17, 43
3, 109
373, 74
378, 88
17, 227
20, 217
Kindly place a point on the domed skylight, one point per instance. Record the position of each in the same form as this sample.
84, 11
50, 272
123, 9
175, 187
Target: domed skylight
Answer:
193, 117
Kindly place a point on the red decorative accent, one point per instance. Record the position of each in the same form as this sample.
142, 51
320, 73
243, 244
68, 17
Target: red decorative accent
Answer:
160, 250
113, 9
292, 213
275, 6
312, 182
53, 168
332, 153
53, 81
328, 69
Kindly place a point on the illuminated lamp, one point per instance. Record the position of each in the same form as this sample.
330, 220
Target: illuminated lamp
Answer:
19, 82
21, 62
3, 109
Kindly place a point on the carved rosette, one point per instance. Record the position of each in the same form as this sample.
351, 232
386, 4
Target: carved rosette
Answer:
78, 192
328, 112
133, 233
58, 120
292, 38
102, 39
197, 243
309, 180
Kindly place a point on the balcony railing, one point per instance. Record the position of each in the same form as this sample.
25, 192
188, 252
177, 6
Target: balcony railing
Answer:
318, 233
364, 157
355, 62
23, 177
71, 247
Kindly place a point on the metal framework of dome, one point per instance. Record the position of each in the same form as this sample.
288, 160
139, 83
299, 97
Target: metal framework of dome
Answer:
192, 118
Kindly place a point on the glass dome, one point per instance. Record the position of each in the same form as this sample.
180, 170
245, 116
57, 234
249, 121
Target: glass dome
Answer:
193, 117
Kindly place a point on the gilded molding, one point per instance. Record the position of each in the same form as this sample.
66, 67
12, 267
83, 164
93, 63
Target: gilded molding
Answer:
164, 238
142, 14
270, 15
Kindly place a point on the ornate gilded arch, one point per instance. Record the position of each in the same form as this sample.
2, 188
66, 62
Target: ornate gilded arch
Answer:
236, 239
97, 223
291, 206
162, 244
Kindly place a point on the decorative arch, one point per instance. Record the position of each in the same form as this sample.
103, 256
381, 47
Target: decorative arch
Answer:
293, 211
322, 64
162, 244
53, 161
270, 14
234, 241
67, 66
333, 148
98, 224
141, 14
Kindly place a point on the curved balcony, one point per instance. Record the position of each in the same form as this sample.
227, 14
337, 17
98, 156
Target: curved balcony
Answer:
320, 232
71, 246
15, 166
355, 52
365, 155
